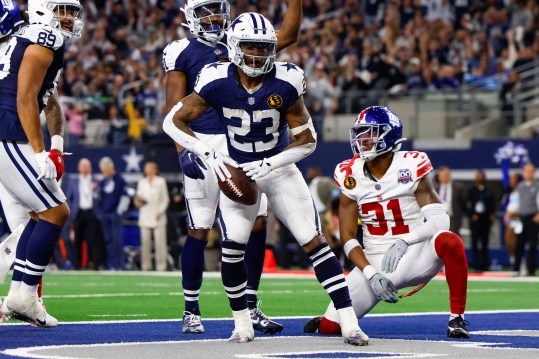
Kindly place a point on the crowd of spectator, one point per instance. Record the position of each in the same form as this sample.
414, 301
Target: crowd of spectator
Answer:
348, 48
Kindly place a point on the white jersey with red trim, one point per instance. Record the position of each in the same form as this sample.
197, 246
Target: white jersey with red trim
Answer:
387, 207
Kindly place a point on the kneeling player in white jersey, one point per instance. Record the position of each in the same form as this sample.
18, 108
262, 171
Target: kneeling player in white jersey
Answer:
405, 226
258, 100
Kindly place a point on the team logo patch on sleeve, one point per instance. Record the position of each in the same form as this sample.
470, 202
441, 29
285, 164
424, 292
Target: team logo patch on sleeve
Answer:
275, 101
404, 176
350, 182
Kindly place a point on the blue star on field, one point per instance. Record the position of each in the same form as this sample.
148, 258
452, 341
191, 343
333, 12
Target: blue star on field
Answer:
290, 66
236, 22
215, 64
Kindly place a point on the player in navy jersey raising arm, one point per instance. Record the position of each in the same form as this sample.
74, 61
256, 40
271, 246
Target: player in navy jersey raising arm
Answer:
207, 21
29, 71
258, 101
405, 227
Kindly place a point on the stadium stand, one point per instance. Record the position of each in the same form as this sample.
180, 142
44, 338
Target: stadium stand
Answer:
474, 60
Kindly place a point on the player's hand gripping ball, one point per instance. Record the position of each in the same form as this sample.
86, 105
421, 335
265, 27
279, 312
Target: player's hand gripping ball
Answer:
239, 187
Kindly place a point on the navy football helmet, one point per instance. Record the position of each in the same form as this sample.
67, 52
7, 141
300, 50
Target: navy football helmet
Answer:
252, 33
207, 19
10, 17
377, 130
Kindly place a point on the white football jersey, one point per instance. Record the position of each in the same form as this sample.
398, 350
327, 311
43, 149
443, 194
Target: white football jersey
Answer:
387, 207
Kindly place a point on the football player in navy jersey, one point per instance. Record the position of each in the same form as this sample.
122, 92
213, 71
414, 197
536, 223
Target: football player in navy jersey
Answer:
16, 215
29, 71
207, 21
259, 102
406, 237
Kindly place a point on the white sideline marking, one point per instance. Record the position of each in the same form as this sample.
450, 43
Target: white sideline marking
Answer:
509, 333
414, 314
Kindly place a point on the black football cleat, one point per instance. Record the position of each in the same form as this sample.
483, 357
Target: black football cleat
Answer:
312, 326
457, 328
262, 323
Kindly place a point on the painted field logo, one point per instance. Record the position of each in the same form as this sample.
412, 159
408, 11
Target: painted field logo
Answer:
404, 176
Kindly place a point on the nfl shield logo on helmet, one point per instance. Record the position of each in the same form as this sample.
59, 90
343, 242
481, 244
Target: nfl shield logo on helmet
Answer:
404, 176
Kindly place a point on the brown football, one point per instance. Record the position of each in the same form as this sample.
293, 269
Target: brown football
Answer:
239, 187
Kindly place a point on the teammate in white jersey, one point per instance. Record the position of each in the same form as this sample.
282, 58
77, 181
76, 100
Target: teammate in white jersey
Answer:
405, 227
207, 21
29, 71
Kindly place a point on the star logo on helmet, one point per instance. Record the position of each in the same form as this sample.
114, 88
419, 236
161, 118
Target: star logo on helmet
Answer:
236, 22
289, 66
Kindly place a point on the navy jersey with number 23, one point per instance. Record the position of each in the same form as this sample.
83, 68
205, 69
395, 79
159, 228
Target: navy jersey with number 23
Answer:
255, 122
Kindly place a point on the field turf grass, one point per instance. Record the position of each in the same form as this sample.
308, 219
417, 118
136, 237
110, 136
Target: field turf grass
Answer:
93, 296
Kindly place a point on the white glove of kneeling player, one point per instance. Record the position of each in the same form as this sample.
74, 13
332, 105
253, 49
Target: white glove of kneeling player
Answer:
393, 256
383, 288
257, 169
47, 169
216, 161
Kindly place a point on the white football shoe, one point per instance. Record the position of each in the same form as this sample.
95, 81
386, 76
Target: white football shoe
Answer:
350, 330
5, 313
356, 337
243, 328
27, 307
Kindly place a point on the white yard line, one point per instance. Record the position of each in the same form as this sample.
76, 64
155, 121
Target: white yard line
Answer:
414, 314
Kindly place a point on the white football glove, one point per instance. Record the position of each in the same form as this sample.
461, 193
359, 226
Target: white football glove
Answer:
257, 169
393, 256
47, 169
216, 161
383, 288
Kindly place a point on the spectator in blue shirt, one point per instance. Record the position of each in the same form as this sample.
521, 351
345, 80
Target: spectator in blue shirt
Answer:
113, 202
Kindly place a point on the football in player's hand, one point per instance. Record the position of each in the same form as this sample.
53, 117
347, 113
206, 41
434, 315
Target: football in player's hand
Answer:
239, 187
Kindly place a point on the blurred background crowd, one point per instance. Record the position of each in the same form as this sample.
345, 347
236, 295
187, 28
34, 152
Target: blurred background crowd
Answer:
353, 52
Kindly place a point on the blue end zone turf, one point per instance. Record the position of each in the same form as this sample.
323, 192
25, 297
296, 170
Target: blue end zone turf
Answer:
500, 329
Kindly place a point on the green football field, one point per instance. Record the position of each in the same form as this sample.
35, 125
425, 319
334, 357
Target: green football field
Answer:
91, 296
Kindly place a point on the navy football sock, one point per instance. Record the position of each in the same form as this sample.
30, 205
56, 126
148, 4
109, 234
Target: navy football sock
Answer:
254, 260
234, 274
192, 268
39, 250
329, 273
20, 254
